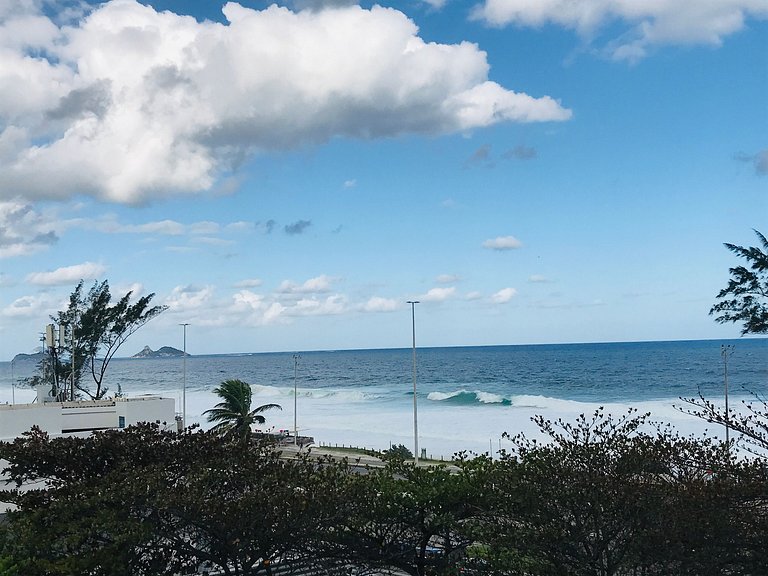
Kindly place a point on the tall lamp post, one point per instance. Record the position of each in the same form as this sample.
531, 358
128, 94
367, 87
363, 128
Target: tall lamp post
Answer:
415, 412
184, 377
725, 351
295, 400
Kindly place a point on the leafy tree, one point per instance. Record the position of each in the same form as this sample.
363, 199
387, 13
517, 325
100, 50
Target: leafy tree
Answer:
96, 328
607, 496
745, 299
416, 518
147, 502
233, 414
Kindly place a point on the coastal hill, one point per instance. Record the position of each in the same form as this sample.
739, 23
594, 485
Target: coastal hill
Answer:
36, 357
164, 352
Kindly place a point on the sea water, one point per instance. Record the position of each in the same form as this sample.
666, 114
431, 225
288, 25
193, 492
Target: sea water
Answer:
466, 397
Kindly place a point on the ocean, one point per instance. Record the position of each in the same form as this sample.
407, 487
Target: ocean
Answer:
467, 397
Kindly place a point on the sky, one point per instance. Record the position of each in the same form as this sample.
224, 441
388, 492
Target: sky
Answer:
287, 177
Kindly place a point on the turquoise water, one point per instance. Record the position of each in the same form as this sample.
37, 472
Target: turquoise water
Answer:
467, 396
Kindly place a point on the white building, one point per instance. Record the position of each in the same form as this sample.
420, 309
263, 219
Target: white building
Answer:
58, 418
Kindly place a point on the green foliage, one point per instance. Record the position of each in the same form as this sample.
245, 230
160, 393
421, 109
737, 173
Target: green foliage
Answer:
147, 502
745, 299
605, 496
397, 452
96, 328
233, 414
416, 518
600, 496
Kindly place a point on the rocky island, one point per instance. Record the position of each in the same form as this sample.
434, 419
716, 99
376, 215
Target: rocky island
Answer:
164, 352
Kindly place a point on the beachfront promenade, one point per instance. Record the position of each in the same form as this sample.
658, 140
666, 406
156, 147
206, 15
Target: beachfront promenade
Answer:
356, 460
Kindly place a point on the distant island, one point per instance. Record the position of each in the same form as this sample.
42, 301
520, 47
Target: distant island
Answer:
164, 352
35, 357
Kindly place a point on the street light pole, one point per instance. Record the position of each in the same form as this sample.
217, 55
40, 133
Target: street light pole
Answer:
295, 401
184, 378
415, 411
726, 351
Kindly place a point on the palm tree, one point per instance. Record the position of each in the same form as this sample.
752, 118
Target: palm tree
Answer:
233, 413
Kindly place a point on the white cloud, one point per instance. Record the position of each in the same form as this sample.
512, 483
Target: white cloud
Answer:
502, 243
129, 104
438, 294
313, 285
331, 305
24, 230
67, 274
190, 298
646, 23
503, 296
436, 4
30, 307
474, 295
350, 183
379, 304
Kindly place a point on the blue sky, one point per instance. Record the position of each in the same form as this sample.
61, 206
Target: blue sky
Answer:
287, 177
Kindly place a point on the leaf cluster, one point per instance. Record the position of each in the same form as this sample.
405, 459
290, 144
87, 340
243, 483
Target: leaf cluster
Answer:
745, 298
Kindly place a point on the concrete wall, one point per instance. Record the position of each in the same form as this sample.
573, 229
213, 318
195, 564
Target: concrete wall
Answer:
147, 409
18, 418
88, 415
63, 417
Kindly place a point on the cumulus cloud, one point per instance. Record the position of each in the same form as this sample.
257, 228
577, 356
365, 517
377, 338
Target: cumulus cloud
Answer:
503, 296
38, 306
297, 227
643, 24
318, 284
378, 304
249, 308
189, 298
128, 104
67, 274
438, 294
502, 243
24, 230
313, 306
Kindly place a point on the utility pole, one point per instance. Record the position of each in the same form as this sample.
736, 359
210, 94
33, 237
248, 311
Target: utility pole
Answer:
415, 411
